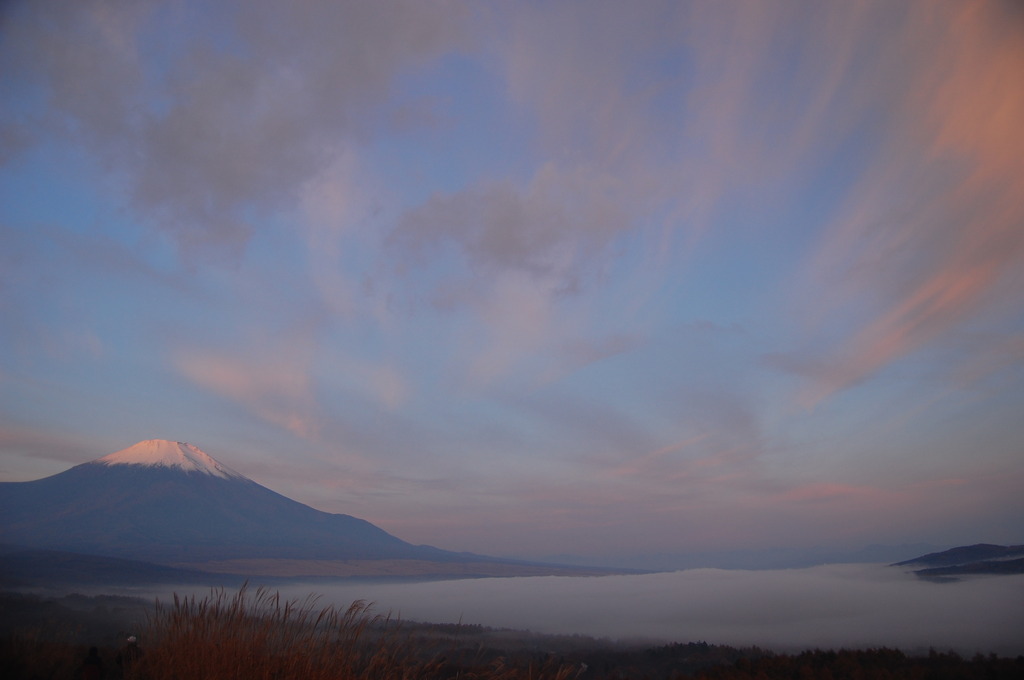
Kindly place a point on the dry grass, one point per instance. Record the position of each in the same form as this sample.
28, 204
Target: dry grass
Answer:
254, 634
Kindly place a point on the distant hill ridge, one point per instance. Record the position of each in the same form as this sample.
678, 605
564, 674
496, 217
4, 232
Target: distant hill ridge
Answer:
965, 555
981, 558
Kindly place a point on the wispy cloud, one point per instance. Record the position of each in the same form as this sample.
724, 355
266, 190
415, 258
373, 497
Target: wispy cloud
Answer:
238, 115
58, 449
930, 238
280, 393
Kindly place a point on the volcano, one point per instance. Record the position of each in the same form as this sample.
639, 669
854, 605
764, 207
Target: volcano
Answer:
169, 502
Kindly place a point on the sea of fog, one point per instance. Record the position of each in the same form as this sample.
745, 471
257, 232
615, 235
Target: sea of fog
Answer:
825, 607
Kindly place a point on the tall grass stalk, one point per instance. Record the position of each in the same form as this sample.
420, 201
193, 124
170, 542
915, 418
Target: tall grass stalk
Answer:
255, 634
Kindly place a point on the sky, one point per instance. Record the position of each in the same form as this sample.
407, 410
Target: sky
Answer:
529, 279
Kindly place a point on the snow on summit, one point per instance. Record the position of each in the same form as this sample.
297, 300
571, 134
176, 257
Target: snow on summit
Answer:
163, 453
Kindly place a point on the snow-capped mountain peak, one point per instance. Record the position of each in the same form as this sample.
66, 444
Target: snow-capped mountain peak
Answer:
163, 453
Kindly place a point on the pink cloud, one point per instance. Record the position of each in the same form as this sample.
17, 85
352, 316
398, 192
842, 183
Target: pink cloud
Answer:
654, 459
829, 492
278, 392
931, 238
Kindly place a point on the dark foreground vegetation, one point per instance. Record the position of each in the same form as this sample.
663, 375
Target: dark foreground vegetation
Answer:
254, 635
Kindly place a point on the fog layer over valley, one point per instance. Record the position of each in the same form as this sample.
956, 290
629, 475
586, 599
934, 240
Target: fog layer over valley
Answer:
833, 606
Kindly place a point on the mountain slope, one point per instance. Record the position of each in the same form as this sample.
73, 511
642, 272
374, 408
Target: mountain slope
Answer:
966, 560
964, 555
990, 567
170, 502
54, 568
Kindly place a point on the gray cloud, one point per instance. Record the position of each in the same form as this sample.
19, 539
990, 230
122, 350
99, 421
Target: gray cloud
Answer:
248, 106
551, 228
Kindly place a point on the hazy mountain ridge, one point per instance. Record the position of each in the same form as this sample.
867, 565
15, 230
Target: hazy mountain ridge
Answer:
163, 514
753, 558
980, 558
54, 568
171, 504
966, 554
992, 567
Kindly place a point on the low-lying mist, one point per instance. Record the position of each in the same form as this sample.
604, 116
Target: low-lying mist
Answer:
852, 606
